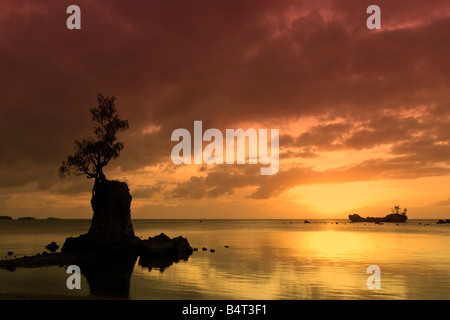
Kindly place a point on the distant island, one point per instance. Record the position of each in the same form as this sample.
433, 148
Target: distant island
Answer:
5, 218
395, 216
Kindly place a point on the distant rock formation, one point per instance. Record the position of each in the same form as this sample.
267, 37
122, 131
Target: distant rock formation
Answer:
442, 221
394, 217
5, 218
27, 218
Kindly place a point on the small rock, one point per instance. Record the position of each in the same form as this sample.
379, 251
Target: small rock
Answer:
44, 253
195, 249
306, 221
204, 249
10, 253
226, 246
52, 247
212, 250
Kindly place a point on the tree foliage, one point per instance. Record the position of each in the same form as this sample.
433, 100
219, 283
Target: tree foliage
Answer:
396, 210
91, 155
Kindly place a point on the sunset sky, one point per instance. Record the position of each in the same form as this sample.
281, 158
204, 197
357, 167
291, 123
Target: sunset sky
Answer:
364, 115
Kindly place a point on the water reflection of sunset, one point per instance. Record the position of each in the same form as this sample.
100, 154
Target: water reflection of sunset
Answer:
331, 245
305, 265
267, 259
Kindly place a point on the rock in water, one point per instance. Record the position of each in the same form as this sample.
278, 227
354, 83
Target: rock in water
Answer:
162, 252
52, 247
111, 227
394, 217
112, 215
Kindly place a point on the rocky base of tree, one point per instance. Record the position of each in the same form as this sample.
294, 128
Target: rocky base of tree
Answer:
112, 232
111, 203
111, 228
160, 248
88, 243
157, 246
108, 270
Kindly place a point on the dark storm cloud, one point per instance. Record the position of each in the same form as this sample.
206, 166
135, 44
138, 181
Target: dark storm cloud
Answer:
172, 62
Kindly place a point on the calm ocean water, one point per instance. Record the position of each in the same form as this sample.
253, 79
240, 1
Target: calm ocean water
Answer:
265, 260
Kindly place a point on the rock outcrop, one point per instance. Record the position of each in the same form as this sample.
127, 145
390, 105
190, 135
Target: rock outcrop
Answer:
111, 232
162, 251
395, 217
52, 247
111, 203
163, 245
111, 228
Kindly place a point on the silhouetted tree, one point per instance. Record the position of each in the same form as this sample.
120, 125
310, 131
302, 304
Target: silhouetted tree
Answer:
396, 210
92, 154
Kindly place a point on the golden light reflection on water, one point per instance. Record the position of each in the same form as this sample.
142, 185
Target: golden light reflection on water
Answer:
326, 264
330, 244
281, 260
